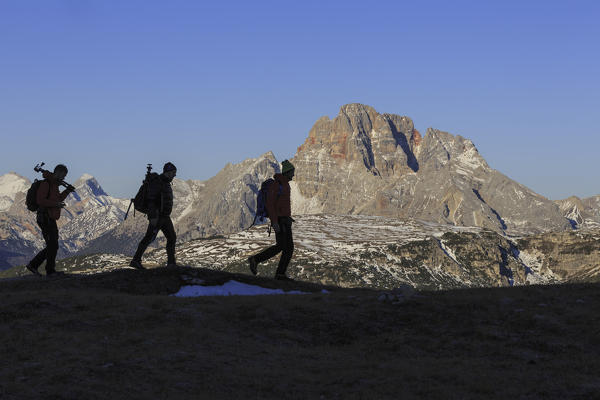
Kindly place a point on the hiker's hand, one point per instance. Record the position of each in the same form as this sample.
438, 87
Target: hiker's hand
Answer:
153, 221
60, 204
276, 227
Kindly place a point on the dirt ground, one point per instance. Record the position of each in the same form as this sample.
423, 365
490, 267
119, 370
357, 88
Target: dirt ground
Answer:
119, 335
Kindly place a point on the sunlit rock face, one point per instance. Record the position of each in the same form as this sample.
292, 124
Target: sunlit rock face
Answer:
364, 162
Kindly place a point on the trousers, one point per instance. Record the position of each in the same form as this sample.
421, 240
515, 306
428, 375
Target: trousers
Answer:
50, 234
166, 226
284, 243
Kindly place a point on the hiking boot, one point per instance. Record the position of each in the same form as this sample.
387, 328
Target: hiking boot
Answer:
136, 264
282, 277
55, 274
253, 265
33, 269
172, 265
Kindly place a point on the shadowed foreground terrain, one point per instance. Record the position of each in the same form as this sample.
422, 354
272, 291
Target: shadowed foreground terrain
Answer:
118, 335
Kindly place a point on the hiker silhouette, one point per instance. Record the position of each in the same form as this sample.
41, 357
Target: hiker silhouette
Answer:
160, 205
279, 211
49, 201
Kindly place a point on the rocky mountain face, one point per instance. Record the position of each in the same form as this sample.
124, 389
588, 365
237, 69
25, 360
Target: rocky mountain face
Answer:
222, 204
571, 256
363, 162
226, 203
581, 213
93, 221
88, 214
10, 185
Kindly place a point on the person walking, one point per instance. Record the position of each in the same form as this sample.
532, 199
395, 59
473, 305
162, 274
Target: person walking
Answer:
279, 211
50, 201
160, 206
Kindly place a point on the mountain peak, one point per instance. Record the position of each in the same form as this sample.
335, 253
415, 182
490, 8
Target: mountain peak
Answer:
381, 143
88, 184
356, 109
364, 162
85, 177
13, 183
269, 155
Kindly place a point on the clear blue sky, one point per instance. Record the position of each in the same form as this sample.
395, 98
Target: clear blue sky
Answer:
107, 86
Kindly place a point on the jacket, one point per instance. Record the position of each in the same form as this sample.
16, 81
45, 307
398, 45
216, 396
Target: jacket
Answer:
49, 197
160, 197
279, 205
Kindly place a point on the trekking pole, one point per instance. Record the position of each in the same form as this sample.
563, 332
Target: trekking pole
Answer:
253, 222
127, 213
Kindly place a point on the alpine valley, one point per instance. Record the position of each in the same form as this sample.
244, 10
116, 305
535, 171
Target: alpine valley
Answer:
377, 204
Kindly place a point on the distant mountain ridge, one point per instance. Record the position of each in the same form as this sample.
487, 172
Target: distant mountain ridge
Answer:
361, 162
88, 214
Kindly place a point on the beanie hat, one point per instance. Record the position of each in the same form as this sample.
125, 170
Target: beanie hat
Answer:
169, 167
286, 166
61, 167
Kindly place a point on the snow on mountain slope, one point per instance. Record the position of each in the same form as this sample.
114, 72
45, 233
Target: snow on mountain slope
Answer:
378, 252
89, 213
10, 185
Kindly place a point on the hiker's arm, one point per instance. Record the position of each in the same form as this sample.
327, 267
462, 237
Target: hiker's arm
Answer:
271, 205
42, 196
65, 193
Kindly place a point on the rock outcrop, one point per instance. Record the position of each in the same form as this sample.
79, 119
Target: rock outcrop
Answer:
581, 213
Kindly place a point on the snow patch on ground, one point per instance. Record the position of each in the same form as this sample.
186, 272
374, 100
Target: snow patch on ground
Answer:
230, 288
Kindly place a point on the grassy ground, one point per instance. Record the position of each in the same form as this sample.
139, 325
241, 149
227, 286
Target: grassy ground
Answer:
118, 335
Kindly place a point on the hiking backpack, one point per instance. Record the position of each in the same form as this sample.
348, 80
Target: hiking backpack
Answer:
261, 202
31, 198
140, 201
261, 199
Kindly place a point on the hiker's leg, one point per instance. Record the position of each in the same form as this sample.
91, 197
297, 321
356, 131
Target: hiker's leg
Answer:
168, 230
38, 259
51, 246
287, 245
41, 256
270, 251
146, 240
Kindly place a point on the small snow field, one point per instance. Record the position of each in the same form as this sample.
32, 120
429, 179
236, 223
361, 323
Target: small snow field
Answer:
230, 288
